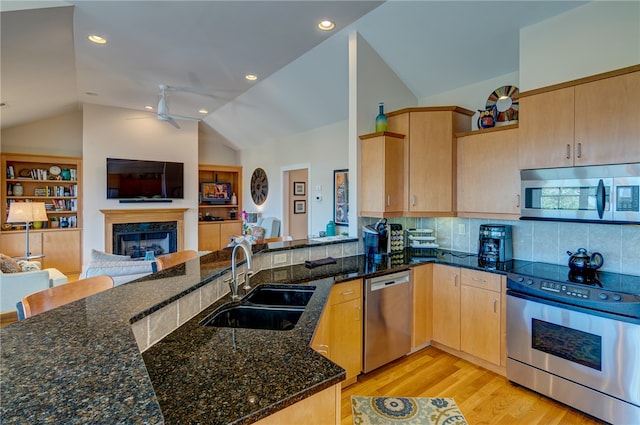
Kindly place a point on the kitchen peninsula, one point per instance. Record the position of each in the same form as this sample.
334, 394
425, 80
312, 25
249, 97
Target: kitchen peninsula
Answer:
81, 363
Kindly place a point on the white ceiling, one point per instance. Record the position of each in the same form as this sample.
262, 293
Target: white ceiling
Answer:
48, 66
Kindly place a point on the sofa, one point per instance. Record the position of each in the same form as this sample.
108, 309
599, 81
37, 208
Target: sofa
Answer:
15, 283
121, 268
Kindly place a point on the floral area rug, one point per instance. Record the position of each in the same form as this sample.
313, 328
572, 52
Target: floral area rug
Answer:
406, 411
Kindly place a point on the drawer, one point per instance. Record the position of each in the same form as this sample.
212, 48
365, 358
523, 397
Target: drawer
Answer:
346, 291
478, 279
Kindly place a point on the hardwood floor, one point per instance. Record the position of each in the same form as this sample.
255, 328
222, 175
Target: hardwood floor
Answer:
483, 396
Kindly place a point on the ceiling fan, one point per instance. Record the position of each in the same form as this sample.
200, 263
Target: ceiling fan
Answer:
163, 108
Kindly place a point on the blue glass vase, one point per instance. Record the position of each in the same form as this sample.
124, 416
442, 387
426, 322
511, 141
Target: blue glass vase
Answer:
381, 119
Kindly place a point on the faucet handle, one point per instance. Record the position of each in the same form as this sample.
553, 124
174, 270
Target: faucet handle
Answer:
241, 278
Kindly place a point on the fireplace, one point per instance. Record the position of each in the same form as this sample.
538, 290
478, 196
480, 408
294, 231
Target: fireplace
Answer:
136, 239
153, 228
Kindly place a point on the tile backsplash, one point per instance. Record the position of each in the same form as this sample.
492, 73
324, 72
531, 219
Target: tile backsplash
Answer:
544, 241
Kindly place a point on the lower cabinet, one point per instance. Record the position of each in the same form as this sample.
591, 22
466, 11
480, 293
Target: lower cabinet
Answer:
61, 248
469, 312
338, 336
215, 235
322, 408
421, 330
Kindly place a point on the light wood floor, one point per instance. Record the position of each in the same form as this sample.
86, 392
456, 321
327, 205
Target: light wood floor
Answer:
483, 396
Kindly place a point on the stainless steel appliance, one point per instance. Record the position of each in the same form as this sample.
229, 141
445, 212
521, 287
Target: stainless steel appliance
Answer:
387, 319
495, 244
603, 194
575, 338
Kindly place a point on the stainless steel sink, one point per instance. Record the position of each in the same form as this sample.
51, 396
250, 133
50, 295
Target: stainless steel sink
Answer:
280, 295
256, 317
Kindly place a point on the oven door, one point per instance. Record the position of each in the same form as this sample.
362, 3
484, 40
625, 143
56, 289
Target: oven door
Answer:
597, 352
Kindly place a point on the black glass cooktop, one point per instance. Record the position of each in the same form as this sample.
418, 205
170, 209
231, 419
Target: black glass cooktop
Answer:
616, 282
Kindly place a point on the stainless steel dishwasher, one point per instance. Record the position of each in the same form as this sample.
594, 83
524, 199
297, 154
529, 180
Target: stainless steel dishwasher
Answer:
387, 319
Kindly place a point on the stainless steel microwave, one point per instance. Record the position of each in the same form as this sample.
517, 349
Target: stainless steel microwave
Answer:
600, 194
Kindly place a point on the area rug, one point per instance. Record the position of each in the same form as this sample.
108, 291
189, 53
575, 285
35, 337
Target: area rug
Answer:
405, 410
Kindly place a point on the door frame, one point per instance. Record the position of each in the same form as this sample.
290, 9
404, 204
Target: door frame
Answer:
284, 194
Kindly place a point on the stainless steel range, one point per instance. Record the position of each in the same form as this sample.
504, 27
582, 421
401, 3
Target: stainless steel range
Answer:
576, 338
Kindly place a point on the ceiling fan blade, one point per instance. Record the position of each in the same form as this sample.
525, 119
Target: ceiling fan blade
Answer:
183, 118
169, 119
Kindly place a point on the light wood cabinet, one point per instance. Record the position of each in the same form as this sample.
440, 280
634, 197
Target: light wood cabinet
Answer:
591, 121
480, 319
338, 335
488, 174
421, 330
215, 235
382, 167
430, 157
322, 408
446, 305
55, 181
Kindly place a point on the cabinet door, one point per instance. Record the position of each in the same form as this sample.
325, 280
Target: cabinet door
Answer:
488, 173
546, 129
227, 230
480, 333
13, 243
431, 156
607, 121
422, 301
382, 175
346, 336
62, 250
446, 305
321, 337
208, 236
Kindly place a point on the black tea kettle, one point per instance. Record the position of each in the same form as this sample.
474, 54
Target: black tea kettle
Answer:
581, 261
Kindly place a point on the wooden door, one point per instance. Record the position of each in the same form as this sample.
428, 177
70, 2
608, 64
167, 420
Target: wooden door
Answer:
431, 167
421, 332
480, 323
546, 129
62, 250
488, 174
607, 120
208, 236
346, 336
321, 337
382, 172
446, 305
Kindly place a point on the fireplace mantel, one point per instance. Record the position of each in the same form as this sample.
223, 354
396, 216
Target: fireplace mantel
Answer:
142, 216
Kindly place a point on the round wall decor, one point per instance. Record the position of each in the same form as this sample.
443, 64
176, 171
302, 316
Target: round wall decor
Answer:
259, 186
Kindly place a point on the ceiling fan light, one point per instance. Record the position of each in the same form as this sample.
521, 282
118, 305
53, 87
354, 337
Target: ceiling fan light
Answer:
326, 25
97, 39
251, 77
203, 111
148, 107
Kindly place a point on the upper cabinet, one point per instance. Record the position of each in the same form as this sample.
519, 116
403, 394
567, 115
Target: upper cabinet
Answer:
488, 174
430, 156
592, 121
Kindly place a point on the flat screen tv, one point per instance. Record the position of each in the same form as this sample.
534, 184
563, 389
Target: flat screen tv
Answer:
141, 179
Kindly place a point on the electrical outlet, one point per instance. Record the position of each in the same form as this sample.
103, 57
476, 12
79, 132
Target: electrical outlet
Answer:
279, 258
462, 229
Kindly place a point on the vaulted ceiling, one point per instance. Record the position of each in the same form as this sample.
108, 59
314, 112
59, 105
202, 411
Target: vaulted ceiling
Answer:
48, 66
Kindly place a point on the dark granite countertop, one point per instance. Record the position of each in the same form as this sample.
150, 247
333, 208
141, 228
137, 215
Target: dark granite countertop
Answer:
80, 363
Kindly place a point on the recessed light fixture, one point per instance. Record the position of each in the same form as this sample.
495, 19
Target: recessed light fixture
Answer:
326, 25
251, 77
90, 93
203, 111
97, 39
148, 107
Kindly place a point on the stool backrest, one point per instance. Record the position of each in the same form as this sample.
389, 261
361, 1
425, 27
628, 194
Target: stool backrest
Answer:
57, 296
169, 260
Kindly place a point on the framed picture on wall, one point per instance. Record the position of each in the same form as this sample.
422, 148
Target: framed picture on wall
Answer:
299, 207
341, 197
299, 188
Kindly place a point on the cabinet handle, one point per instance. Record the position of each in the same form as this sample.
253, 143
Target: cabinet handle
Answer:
579, 152
388, 199
568, 151
323, 352
495, 304
349, 292
455, 280
518, 201
413, 200
323, 345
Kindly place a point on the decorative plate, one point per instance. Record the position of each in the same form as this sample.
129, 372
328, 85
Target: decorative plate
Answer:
505, 99
259, 186
25, 172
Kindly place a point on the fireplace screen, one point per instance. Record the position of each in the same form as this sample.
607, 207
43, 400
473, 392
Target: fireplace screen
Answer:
136, 239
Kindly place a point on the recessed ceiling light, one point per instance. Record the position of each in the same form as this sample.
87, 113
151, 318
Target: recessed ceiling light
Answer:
148, 107
203, 111
251, 77
97, 39
90, 93
326, 25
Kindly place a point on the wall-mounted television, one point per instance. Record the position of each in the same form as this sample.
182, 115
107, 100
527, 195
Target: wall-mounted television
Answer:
142, 179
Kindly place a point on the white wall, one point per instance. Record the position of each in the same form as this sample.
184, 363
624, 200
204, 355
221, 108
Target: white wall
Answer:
111, 132
597, 37
212, 148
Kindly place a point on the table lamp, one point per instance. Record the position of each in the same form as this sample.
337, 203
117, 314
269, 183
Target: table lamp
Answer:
27, 212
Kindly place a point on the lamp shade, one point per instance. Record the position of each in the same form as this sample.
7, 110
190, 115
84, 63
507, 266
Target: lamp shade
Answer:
27, 212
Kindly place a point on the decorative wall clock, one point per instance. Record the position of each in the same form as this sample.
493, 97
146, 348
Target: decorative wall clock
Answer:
505, 99
259, 186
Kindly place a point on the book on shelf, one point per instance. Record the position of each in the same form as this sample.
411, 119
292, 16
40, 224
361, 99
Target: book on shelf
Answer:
10, 173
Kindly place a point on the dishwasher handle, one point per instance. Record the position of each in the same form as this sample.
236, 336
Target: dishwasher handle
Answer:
382, 282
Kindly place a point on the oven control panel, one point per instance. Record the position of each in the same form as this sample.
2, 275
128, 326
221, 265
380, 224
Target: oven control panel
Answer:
570, 291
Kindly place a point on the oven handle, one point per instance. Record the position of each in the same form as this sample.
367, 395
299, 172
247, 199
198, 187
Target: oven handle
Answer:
600, 198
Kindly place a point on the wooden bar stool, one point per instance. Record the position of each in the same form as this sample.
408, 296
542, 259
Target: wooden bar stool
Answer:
169, 260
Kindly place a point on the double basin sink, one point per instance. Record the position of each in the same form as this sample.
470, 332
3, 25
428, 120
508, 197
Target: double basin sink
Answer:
269, 306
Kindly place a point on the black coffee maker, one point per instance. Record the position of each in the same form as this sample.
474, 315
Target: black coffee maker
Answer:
495, 245
376, 240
